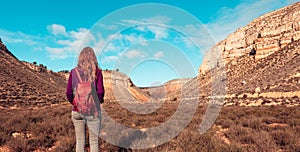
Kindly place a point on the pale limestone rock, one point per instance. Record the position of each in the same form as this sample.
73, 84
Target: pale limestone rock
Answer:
267, 33
257, 90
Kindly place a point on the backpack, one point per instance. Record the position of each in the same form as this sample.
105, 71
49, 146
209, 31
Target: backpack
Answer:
84, 97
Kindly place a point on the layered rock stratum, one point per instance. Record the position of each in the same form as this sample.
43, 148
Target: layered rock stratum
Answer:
267, 34
271, 76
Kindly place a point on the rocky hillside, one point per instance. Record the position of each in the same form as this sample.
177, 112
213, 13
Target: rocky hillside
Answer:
22, 86
273, 80
272, 75
28, 84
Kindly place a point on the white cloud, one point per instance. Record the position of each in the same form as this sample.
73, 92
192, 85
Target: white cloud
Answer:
133, 39
196, 35
57, 29
131, 54
98, 46
292, 1
38, 48
118, 42
19, 37
151, 20
230, 19
154, 24
57, 53
109, 59
108, 27
130, 22
73, 42
110, 47
160, 32
58, 47
159, 54
157, 20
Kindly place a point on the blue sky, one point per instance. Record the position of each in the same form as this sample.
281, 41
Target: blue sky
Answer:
152, 43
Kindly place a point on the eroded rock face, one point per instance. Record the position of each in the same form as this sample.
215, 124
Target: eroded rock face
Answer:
113, 78
174, 85
272, 80
118, 86
267, 34
270, 77
169, 91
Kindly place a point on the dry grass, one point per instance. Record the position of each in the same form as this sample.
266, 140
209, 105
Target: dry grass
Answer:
246, 128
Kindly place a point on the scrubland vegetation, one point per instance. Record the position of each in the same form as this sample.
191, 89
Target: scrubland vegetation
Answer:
274, 128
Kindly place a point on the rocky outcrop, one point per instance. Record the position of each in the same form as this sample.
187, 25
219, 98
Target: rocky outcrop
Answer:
4, 49
169, 91
174, 85
118, 86
267, 34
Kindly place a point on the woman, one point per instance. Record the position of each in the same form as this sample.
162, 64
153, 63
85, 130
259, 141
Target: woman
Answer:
86, 71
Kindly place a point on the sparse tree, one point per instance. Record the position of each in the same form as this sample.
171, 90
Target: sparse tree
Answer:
259, 35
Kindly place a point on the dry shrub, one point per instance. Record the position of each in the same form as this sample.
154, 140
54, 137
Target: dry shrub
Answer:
263, 141
67, 145
251, 122
249, 129
225, 123
284, 138
240, 134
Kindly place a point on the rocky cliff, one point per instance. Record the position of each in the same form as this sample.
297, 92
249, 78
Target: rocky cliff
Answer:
169, 91
266, 34
271, 76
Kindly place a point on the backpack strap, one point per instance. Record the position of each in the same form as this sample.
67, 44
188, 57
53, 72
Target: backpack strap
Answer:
78, 75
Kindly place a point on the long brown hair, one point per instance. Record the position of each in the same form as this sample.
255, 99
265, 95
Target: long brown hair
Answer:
87, 62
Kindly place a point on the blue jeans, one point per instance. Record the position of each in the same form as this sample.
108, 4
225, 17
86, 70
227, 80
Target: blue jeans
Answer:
93, 124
